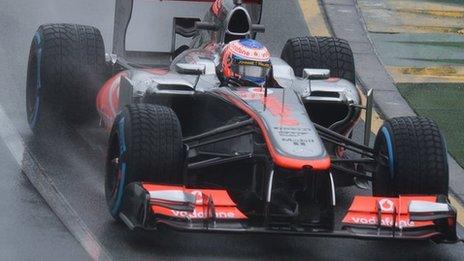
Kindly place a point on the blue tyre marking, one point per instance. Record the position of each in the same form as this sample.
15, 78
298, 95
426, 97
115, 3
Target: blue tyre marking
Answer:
35, 113
445, 143
391, 154
122, 179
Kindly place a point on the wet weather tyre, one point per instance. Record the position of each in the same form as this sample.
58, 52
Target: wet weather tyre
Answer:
413, 158
145, 145
66, 68
320, 53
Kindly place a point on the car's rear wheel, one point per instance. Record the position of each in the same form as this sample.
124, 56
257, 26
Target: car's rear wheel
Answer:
145, 145
65, 71
412, 158
320, 53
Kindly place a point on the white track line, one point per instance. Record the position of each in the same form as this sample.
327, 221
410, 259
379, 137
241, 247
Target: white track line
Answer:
47, 189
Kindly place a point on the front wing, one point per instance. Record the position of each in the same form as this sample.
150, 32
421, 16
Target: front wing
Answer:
151, 206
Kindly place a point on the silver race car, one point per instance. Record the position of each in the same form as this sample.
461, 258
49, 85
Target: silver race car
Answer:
191, 150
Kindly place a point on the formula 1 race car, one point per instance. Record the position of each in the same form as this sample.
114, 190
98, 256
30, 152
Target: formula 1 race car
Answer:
190, 152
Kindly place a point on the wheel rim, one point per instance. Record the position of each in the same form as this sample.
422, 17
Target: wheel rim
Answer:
114, 177
114, 183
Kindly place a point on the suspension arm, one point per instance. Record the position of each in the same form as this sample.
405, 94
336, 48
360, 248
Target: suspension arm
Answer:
341, 139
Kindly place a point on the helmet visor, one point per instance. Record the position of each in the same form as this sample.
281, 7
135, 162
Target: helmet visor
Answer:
253, 71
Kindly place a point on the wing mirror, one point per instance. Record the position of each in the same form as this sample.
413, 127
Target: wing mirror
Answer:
192, 69
206, 26
316, 74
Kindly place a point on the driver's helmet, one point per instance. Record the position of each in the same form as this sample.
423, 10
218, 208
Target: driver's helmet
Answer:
245, 62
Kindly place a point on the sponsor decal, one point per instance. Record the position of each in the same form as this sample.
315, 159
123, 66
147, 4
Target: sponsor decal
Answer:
253, 63
199, 215
198, 196
386, 205
199, 212
294, 135
225, 208
386, 222
298, 142
241, 50
363, 211
250, 53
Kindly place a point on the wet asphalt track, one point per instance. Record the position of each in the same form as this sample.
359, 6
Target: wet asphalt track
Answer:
74, 161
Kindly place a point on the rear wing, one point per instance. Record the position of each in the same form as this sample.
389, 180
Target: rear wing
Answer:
147, 32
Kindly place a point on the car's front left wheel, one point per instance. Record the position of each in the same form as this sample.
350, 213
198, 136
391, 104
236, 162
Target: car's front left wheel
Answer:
320, 53
412, 158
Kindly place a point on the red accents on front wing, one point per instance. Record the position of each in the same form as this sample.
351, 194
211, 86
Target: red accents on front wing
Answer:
220, 197
280, 160
225, 207
364, 212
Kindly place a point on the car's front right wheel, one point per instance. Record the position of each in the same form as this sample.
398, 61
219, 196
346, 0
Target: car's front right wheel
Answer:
145, 145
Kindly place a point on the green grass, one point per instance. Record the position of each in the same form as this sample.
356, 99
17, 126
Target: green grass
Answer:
445, 104
443, 1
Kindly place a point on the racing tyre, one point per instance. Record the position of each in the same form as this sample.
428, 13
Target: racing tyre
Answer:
145, 145
412, 158
320, 53
65, 71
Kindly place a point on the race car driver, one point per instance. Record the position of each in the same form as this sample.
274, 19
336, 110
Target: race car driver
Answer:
245, 62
